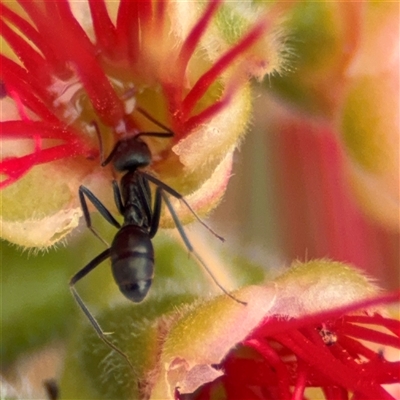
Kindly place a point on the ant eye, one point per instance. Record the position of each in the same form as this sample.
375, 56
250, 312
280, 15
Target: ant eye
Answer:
136, 292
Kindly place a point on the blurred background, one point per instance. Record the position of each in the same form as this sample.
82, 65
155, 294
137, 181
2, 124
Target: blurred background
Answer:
301, 189
291, 198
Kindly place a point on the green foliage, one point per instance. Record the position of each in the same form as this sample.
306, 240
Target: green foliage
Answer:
34, 292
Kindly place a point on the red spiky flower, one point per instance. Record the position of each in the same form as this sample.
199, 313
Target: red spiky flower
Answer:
318, 332
65, 65
330, 351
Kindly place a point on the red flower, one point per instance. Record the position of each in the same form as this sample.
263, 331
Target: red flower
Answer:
322, 335
282, 358
67, 65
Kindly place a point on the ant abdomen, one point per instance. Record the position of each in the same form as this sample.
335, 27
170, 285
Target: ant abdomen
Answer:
132, 261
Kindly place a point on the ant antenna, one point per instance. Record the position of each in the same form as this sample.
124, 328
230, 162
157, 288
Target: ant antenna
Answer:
101, 149
167, 133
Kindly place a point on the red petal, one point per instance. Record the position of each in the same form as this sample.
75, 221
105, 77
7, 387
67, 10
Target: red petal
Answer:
193, 39
105, 30
208, 78
58, 25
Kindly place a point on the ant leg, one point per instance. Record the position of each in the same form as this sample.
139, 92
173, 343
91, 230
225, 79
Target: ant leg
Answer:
177, 195
117, 197
144, 195
191, 249
77, 277
84, 191
155, 220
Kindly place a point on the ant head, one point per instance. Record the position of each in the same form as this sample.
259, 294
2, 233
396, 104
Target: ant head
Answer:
129, 154
132, 152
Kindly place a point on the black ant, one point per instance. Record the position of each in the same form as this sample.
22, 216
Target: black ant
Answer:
131, 252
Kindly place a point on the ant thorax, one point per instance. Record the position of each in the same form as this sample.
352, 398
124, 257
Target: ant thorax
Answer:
136, 195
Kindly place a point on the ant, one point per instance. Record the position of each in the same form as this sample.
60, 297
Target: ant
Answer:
131, 252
